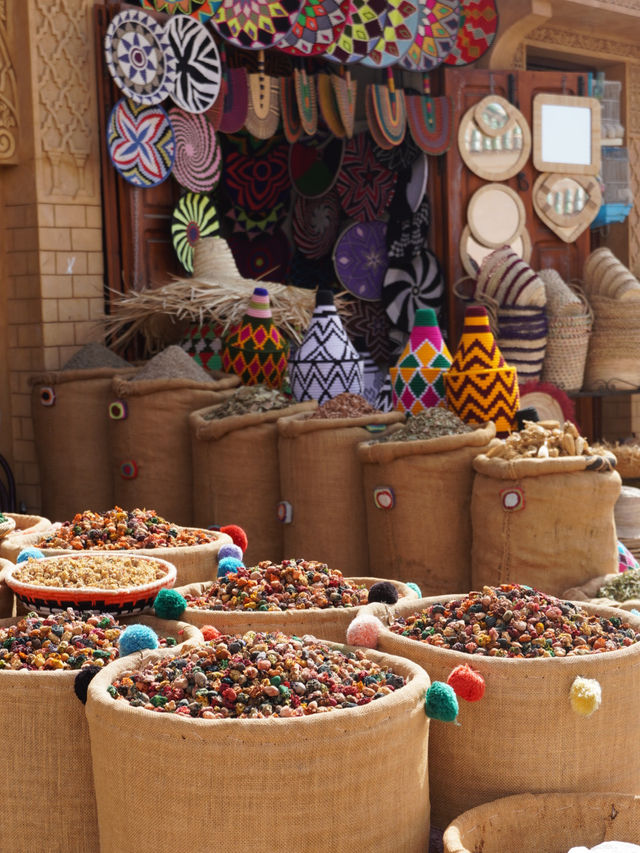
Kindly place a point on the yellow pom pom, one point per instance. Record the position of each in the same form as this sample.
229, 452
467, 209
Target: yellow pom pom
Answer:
585, 696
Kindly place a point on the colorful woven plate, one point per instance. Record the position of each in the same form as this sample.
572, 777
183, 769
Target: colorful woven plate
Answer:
267, 257
437, 30
199, 73
400, 30
139, 57
478, 28
410, 286
314, 163
368, 327
256, 24
417, 183
141, 143
398, 157
198, 161
315, 224
201, 10
252, 227
360, 259
311, 274
362, 31
193, 217
364, 185
318, 25
407, 231
256, 178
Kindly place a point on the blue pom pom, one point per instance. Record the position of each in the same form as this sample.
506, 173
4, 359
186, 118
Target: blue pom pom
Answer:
441, 702
228, 564
137, 637
26, 553
169, 604
230, 550
415, 588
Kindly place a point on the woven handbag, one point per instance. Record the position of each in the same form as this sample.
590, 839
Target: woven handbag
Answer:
570, 320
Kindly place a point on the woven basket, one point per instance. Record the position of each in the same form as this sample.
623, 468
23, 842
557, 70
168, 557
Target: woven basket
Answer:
613, 358
570, 325
628, 459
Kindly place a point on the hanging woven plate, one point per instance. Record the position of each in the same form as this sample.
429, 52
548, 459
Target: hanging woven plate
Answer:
201, 10
236, 100
437, 31
362, 31
256, 24
407, 232
417, 183
430, 122
398, 157
311, 274
139, 57
360, 258
410, 286
305, 86
315, 224
141, 143
267, 257
263, 111
251, 226
318, 25
328, 106
291, 124
256, 179
198, 160
364, 185
199, 73
314, 163
386, 114
346, 90
400, 30
368, 327
193, 217
478, 28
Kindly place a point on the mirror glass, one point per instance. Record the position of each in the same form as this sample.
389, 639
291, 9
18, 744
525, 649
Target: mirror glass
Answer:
567, 197
494, 115
494, 154
566, 134
496, 215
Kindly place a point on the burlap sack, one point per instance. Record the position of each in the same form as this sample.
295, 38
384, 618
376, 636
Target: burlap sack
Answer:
545, 823
6, 595
422, 533
236, 476
589, 592
11, 545
321, 488
547, 523
523, 735
193, 563
150, 449
70, 425
263, 784
330, 623
46, 774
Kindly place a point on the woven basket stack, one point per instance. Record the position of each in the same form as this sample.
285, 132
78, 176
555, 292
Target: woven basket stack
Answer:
570, 321
627, 517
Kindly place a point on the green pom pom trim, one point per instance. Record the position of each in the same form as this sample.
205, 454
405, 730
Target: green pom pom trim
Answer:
441, 702
169, 604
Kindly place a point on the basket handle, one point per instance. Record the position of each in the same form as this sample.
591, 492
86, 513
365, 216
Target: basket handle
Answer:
483, 299
575, 285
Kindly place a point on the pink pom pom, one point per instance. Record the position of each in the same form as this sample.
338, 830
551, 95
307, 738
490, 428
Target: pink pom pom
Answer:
467, 683
364, 631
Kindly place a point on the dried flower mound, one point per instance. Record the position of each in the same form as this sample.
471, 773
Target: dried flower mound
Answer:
345, 405
292, 584
257, 675
432, 423
515, 621
249, 400
623, 587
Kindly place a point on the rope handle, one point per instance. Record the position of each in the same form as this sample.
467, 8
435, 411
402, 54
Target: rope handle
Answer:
576, 286
483, 299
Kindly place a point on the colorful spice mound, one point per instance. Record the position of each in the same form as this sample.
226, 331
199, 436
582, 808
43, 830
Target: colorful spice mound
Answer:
515, 622
345, 405
290, 585
108, 571
623, 587
119, 530
432, 423
249, 399
257, 675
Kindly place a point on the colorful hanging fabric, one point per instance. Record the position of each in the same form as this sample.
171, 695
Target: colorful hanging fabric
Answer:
480, 385
141, 143
417, 380
364, 185
256, 24
256, 351
198, 160
409, 286
194, 217
317, 26
436, 35
400, 30
477, 31
360, 258
326, 362
198, 72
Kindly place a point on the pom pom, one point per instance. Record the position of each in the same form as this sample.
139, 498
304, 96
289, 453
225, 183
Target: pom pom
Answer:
415, 588
384, 591
364, 631
137, 637
237, 534
467, 683
228, 564
210, 633
169, 604
26, 553
82, 681
441, 703
585, 696
232, 550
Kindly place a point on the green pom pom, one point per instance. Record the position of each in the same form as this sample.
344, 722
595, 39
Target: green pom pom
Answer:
169, 604
415, 588
441, 702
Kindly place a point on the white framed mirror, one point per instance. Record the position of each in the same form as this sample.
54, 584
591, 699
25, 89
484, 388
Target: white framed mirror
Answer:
566, 134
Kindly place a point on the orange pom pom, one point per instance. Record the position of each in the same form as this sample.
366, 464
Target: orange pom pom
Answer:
209, 632
237, 534
467, 683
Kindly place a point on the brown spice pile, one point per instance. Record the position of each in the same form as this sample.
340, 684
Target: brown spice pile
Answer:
345, 405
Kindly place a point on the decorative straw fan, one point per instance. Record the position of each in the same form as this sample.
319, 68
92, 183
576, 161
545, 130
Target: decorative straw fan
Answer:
291, 124
430, 120
236, 99
345, 90
305, 86
328, 105
263, 110
386, 112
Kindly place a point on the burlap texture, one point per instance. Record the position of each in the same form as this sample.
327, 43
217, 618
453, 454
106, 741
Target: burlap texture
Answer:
155, 436
330, 623
236, 476
6, 596
540, 744
321, 477
426, 536
563, 534
589, 592
47, 781
545, 823
263, 784
10, 547
70, 438
193, 562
